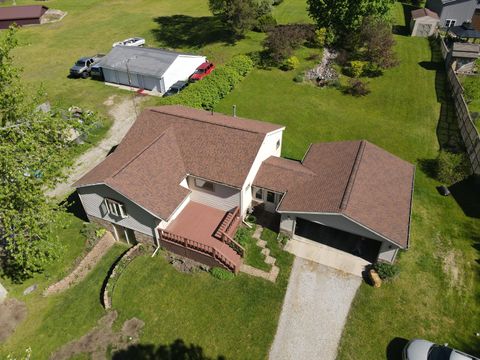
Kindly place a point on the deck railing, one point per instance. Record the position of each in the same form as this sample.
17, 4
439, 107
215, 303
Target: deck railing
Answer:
196, 246
229, 230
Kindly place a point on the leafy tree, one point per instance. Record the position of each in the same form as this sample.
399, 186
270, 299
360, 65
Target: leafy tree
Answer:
377, 40
283, 39
240, 15
33, 145
344, 17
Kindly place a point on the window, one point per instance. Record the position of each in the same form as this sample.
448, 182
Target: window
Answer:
278, 144
259, 194
116, 208
203, 184
270, 197
450, 22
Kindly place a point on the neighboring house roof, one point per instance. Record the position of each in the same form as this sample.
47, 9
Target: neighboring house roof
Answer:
354, 178
419, 13
167, 143
466, 50
141, 60
22, 12
465, 31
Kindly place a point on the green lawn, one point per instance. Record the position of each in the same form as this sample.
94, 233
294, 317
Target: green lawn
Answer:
436, 295
55, 320
235, 318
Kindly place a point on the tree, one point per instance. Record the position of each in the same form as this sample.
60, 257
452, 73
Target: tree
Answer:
283, 39
344, 17
33, 145
377, 39
240, 15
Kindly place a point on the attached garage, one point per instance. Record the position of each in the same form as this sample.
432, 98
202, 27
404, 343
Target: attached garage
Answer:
351, 196
148, 68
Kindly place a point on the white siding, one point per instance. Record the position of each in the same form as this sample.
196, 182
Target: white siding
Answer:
267, 149
181, 69
224, 197
138, 219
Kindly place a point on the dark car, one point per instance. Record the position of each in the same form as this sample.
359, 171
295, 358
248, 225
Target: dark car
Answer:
176, 88
84, 65
202, 71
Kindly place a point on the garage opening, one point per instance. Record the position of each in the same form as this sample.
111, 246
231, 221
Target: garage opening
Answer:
364, 248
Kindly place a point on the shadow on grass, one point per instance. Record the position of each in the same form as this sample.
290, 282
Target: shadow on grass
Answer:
179, 31
429, 167
177, 350
467, 195
74, 206
395, 348
404, 30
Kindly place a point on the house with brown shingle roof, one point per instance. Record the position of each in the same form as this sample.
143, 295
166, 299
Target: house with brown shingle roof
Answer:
184, 179
21, 15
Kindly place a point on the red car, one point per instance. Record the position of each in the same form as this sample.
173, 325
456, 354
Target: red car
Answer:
202, 71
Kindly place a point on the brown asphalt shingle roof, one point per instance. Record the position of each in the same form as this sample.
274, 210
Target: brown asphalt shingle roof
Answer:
418, 13
22, 12
354, 178
167, 143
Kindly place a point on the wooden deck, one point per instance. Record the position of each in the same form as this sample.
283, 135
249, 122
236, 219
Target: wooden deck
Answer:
200, 231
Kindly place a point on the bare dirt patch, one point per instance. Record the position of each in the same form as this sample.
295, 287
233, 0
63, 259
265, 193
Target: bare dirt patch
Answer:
450, 268
52, 15
101, 338
12, 313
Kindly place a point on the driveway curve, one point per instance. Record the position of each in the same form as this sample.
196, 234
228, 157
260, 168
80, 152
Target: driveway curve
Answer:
314, 312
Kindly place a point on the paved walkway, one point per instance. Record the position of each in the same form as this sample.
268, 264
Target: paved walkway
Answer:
326, 255
250, 270
86, 265
124, 115
314, 312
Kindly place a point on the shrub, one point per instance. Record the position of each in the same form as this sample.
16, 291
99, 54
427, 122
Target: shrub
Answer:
377, 40
372, 70
276, 2
251, 218
92, 232
291, 63
242, 235
209, 91
471, 86
386, 271
265, 23
451, 167
356, 87
283, 238
298, 78
222, 274
356, 68
324, 37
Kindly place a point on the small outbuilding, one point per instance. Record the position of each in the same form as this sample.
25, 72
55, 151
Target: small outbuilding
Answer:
424, 22
464, 56
148, 68
21, 15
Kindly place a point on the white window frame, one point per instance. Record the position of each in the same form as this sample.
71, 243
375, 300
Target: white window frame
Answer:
116, 208
450, 22
258, 191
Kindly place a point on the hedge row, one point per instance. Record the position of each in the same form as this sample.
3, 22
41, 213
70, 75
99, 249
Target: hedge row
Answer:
209, 91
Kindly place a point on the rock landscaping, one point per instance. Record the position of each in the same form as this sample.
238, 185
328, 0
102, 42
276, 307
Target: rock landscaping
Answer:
250, 270
84, 267
324, 72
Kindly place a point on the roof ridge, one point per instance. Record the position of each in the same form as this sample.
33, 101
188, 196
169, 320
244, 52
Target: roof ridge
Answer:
303, 167
157, 110
353, 175
134, 157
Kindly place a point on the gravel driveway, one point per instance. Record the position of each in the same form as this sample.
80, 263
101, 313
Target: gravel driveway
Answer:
314, 312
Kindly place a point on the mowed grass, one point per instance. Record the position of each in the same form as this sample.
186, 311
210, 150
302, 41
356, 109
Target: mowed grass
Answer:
57, 319
436, 294
236, 318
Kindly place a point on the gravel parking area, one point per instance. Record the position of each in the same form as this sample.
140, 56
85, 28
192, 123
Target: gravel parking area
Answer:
314, 312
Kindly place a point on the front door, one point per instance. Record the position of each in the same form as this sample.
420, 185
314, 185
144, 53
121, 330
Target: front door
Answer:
124, 234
